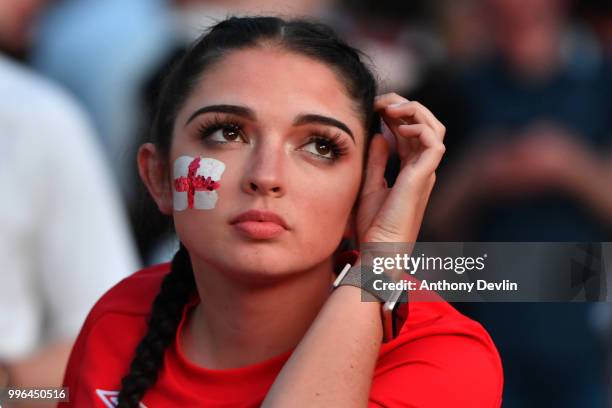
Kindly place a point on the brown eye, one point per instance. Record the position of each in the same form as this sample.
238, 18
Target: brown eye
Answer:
222, 133
230, 134
323, 147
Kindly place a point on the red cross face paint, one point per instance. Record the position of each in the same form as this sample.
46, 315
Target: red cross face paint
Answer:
195, 182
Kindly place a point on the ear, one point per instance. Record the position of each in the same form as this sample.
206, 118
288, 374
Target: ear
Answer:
153, 172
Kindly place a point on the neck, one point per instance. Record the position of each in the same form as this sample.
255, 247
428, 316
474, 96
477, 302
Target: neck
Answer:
237, 325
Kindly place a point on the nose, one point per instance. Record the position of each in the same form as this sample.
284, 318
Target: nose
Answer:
264, 172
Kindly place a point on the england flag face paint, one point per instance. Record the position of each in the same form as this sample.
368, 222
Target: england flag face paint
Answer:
195, 182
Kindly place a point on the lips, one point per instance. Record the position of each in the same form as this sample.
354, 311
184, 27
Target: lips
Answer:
258, 224
260, 216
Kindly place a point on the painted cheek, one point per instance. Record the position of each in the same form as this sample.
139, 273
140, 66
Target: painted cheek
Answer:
195, 182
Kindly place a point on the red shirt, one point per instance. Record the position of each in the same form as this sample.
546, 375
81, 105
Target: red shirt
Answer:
440, 358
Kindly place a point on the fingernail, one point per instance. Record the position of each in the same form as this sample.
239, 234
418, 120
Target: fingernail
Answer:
395, 105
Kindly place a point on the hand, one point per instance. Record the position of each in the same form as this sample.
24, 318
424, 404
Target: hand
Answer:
395, 214
546, 157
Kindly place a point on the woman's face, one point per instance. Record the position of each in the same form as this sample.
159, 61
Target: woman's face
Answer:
275, 110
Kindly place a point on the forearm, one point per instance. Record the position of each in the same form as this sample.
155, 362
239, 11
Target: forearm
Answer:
334, 362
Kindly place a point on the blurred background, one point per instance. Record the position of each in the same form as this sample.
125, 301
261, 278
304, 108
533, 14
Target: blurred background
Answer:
523, 87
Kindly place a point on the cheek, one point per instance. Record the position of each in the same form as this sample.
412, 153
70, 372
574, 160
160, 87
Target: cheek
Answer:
328, 203
195, 181
197, 208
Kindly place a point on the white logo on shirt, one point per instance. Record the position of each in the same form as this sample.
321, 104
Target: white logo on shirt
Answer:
111, 398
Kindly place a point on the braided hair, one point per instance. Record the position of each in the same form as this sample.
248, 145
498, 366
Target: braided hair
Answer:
304, 37
166, 313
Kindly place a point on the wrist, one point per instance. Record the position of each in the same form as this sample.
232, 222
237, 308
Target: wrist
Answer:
384, 301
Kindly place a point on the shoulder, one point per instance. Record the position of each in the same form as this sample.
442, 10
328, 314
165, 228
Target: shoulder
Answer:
38, 111
132, 295
131, 298
31, 93
440, 358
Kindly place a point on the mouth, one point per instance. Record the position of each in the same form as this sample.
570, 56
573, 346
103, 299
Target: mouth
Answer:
259, 224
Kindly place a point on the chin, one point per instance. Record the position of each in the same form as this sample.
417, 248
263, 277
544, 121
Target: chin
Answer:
258, 273
261, 258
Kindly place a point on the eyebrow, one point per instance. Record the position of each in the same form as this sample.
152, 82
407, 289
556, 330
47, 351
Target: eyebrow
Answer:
324, 120
236, 110
248, 113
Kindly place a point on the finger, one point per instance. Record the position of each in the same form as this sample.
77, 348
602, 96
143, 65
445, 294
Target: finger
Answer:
399, 128
406, 113
375, 168
411, 130
408, 141
393, 101
382, 101
419, 113
411, 134
432, 155
438, 127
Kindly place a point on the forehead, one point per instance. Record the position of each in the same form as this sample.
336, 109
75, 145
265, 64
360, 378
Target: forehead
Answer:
277, 85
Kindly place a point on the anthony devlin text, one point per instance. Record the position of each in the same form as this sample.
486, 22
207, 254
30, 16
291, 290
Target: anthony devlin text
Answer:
444, 285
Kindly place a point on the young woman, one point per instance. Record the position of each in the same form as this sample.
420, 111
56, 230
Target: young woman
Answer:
267, 153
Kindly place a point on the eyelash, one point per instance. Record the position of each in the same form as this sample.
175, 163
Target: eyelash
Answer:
337, 144
208, 127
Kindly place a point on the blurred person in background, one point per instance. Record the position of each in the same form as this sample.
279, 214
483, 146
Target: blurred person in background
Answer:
17, 28
63, 235
531, 161
537, 130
